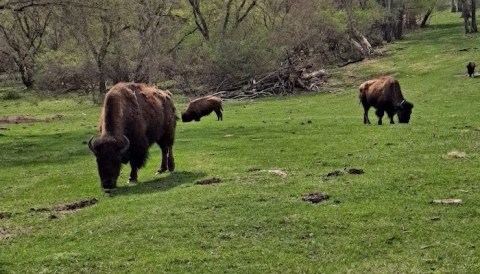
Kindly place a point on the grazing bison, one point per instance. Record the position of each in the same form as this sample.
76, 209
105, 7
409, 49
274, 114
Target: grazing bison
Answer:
202, 107
134, 116
384, 95
471, 69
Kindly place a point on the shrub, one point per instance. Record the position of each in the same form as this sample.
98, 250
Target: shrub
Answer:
11, 95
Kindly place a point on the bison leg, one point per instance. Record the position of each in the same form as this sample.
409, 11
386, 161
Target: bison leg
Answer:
365, 115
219, 115
167, 158
390, 115
171, 160
380, 114
138, 156
133, 174
163, 165
366, 107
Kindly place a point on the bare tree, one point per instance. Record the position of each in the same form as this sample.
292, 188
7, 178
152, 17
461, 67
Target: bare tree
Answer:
454, 7
469, 15
474, 15
97, 30
23, 38
154, 16
20, 5
274, 12
240, 11
235, 12
199, 19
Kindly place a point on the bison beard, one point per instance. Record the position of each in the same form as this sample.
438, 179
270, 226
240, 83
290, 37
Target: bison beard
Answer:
385, 95
134, 117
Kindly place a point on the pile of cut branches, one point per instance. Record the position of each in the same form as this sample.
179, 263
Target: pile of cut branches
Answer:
280, 82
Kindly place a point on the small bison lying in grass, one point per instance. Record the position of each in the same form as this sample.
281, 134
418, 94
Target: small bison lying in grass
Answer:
385, 95
471, 69
202, 107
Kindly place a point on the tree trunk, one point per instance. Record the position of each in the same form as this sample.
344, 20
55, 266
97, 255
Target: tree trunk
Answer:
102, 85
411, 21
25, 73
465, 15
141, 74
27, 78
387, 29
425, 18
454, 7
473, 8
399, 24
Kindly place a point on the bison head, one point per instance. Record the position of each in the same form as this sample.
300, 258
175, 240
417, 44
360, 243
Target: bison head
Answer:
109, 153
186, 117
404, 110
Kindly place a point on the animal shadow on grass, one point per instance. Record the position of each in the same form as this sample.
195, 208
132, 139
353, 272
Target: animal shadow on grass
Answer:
163, 183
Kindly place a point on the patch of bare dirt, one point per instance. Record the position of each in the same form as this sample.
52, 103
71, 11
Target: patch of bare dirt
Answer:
4, 234
27, 119
353, 171
457, 155
209, 181
67, 207
76, 205
315, 197
4, 215
40, 209
447, 201
278, 172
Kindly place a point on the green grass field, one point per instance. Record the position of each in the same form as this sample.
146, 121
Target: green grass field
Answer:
254, 221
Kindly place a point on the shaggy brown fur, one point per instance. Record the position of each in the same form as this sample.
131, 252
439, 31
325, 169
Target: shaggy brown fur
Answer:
202, 107
385, 95
134, 116
471, 69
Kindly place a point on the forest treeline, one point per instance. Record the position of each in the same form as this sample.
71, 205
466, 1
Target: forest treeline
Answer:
195, 45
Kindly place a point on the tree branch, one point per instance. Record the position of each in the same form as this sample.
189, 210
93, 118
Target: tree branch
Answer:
240, 18
21, 5
181, 40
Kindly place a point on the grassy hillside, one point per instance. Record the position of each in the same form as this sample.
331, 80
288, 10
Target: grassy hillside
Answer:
255, 221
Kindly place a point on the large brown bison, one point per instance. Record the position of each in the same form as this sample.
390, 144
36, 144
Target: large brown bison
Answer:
202, 107
134, 116
385, 95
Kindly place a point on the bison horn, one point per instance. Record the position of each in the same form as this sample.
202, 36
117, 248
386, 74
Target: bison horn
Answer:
90, 146
126, 146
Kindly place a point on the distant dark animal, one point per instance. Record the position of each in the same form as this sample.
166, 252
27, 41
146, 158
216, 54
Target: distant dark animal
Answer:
471, 69
134, 116
202, 107
385, 95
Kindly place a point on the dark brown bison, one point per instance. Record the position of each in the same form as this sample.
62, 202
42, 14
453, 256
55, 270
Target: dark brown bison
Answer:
202, 107
134, 116
385, 95
471, 69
